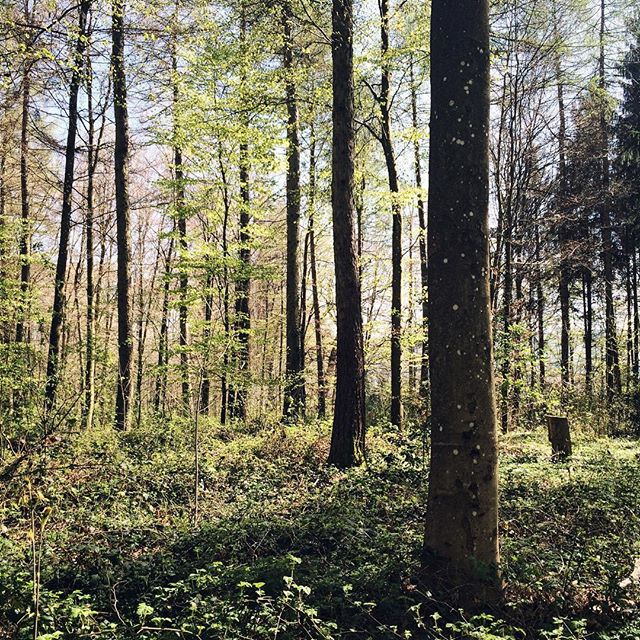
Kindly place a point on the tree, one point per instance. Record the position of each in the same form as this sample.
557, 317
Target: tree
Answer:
121, 162
57, 315
294, 393
348, 432
461, 539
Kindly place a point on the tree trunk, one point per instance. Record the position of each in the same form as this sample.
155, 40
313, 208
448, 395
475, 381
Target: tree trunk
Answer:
461, 555
159, 400
57, 316
294, 396
121, 161
612, 364
348, 432
22, 333
422, 246
396, 217
181, 217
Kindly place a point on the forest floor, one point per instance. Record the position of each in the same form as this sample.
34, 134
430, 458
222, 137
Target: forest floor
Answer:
104, 532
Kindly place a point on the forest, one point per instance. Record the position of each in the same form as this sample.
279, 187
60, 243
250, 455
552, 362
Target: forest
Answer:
319, 319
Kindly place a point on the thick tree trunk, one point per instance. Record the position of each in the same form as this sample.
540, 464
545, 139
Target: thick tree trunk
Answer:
121, 161
461, 539
57, 316
294, 395
348, 433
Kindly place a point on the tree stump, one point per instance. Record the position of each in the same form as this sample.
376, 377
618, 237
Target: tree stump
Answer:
559, 437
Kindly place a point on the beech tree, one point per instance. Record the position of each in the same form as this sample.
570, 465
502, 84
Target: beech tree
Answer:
461, 555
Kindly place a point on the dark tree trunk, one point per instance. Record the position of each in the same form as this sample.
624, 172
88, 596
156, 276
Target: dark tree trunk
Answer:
612, 364
57, 316
540, 312
396, 217
22, 333
121, 161
461, 539
587, 301
181, 217
565, 271
92, 158
159, 398
294, 396
348, 433
422, 246
317, 321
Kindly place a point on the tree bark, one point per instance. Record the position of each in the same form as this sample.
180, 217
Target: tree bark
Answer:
396, 217
294, 396
461, 556
181, 217
422, 246
58, 313
121, 161
612, 365
22, 333
348, 432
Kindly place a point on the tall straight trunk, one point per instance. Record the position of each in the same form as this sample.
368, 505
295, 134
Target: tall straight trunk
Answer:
224, 387
205, 383
612, 365
57, 316
294, 396
121, 162
22, 333
507, 299
422, 244
565, 272
4, 333
317, 320
540, 312
348, 432
636, 315
159, 400
92, 158
629, 301
396, 218
181, 216
461, 558
587, 302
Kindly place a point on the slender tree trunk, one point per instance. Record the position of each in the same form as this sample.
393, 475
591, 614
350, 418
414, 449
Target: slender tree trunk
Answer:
348, 433
612, 365
587, 297
461, 557
22, 332
294, 397
181, 217
540, 312
57, 316
636, 315
92, 158
121, 160
224, 390
396, 217
159, 400
422, 246
317, 320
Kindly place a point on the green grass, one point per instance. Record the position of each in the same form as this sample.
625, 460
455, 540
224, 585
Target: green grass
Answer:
286, 548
